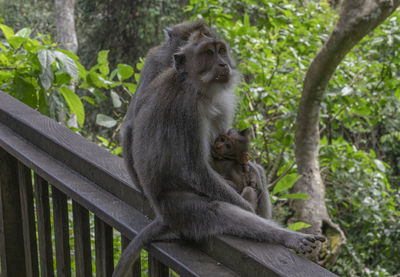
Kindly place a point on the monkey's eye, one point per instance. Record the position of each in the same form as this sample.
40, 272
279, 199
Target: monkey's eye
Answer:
222, 139
210, 52
222, 51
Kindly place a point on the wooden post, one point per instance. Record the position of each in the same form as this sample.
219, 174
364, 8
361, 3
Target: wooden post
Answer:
104, 248
44, 226
11, 234
83, 257
156, 268
61, 232
28, 220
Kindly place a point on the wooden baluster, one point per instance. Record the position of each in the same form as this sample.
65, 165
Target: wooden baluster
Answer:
44, 227
156, 268
11, 233
28, 220
61, 232
104, 248
83, 258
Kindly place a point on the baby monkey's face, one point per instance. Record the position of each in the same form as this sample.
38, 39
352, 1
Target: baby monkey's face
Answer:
233, 145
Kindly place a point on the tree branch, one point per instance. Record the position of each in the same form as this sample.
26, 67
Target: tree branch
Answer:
357, 19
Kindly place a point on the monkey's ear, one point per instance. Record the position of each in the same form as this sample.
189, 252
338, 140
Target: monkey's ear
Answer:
168, 32
245, 132
179, 62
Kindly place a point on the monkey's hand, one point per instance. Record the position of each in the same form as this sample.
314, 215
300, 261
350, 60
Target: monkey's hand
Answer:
216, 188
246, 206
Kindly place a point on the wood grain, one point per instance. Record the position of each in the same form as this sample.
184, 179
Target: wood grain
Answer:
28, 220
44, 227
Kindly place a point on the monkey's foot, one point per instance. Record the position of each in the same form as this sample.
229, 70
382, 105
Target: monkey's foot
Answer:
304, 243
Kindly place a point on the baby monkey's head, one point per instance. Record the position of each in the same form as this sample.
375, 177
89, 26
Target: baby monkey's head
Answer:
233, 145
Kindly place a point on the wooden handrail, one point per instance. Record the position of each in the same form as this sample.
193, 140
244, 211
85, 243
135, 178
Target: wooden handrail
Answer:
98, 181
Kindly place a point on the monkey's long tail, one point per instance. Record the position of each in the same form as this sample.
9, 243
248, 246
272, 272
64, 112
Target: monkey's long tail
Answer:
151, 232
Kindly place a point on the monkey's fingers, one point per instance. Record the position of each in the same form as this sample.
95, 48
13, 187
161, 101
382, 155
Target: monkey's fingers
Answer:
313, 238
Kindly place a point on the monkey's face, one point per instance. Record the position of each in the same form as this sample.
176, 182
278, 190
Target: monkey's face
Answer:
213, 62
224, 147
233, 145
205, 62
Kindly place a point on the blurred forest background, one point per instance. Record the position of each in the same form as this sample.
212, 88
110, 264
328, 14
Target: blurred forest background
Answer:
274, 42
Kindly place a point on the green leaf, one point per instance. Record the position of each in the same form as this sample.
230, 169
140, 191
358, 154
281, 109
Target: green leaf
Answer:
5, 76
246, 21
113, 73
302, 196
99, 96
25, 33
124, 71
105, 121
68, 64
44, 103
102, 56
4, 60
16, 42
379, 164
298, 226
103, 140
25, 92
31, 45
346, 90
74, 103
46, 59
103, 62
7, 31
95, 80
62, 78
398, 93
131, 87
90, 100
286, 182
115, 99
287, 140
137, 77
69, 54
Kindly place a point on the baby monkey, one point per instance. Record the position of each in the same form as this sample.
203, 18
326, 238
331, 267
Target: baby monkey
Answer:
230, 153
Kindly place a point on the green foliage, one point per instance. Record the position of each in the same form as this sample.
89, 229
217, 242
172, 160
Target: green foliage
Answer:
298, 226
286, 183
275, 42
53, 81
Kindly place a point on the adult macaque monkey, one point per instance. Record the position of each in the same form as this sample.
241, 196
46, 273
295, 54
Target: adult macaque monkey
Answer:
183, 111
157, 60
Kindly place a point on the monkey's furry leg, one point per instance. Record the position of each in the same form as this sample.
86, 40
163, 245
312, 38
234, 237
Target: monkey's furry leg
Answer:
197, 217
150, 233
238, 222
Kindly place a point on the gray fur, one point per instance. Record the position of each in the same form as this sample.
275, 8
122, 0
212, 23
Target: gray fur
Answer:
157, 60
264, 206
177, 119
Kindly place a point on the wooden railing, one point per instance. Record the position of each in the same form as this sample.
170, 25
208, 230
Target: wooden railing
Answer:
55, 185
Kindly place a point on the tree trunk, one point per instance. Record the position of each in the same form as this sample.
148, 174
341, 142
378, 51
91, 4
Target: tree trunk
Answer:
66, 35
357, 19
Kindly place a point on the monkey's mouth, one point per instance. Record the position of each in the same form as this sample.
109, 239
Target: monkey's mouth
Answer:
222, 78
